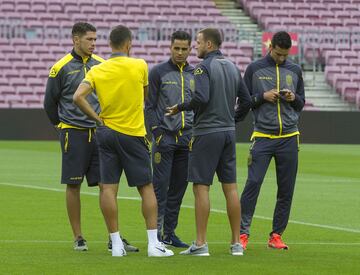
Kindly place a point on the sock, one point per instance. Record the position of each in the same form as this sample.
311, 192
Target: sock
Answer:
117, 244
152, 236
115, 238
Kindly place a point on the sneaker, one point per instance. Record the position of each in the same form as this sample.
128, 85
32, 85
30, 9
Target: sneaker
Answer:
159, 250
109, 245
80, 244
174, 241
236, 249
244, 239
128, 247
118, 251
202, 250
276, 242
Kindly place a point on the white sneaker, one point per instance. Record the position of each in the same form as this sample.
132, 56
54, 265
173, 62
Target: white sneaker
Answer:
118, 251
159, 250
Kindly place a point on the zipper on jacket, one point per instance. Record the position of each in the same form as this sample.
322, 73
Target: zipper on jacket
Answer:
85, 70
278, 101
182, 95
84, 62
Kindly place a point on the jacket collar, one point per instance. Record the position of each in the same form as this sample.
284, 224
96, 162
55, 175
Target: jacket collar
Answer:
271, 60
213, 53
171, 63
78, 57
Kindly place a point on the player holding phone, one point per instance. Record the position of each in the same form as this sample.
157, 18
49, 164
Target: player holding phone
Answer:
276, 110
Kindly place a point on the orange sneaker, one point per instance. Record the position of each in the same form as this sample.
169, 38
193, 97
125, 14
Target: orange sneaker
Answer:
244, 238
276, 242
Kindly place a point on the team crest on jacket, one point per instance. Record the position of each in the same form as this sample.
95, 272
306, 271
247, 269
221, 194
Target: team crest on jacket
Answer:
198, 71
289, 80
53, 72
157, 157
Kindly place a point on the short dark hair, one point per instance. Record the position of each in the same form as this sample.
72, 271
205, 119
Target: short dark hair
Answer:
181, 35
119, 35
81, 28
213, 35
281, 39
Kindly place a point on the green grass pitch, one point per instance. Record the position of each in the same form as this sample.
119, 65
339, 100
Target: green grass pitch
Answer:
323, 234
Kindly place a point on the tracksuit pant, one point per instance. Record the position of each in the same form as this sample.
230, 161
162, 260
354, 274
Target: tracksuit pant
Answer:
170, 170
285, 153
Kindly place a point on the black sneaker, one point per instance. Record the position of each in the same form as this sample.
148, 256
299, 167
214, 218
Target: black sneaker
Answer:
174, 241
109, 245
128, 247
80, 244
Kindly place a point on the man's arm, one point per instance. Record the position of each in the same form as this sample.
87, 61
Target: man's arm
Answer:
201, 95
299, 101
202, 90
243, 101
258, 98
52, 96
151, 103
79, 99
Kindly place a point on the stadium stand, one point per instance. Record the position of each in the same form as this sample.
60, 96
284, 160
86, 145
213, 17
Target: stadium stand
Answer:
34, 34
329, 31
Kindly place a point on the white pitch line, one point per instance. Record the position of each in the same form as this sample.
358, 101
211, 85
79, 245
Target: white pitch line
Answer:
61, 190
332, 227
316, 225
292, 221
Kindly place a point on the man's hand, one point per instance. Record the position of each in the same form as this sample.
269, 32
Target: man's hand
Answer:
173, 110
80, 100
57, 128
271, 96
287, 94
99, 122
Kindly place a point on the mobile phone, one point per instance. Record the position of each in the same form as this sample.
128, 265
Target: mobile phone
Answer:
283, 92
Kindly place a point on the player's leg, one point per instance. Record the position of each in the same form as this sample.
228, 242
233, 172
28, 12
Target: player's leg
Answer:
175, 194
258, 163
73, 207
74, 162
233, 212
110, 172
137, 167
203, 159
135, 158
93, 178
226, 171
202, 211
108, 205
233, 209
286, 161
148, 205
204, 156
161, 163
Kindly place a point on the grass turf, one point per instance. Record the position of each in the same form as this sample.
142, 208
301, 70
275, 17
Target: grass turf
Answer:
35, 237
